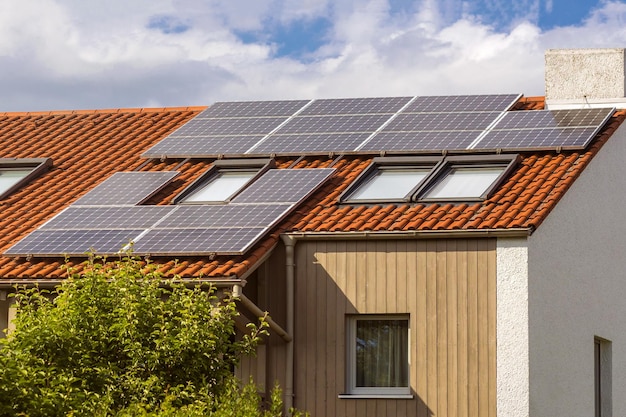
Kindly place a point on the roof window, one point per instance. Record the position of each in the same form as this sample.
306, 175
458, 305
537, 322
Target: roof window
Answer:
16, 172
459, 178
223, 181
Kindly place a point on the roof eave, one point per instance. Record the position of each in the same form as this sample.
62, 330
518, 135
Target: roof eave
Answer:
413, 234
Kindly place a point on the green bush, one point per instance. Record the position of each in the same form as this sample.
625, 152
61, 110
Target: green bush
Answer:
119, 341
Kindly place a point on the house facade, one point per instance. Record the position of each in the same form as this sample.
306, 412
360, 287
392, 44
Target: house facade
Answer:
419, 256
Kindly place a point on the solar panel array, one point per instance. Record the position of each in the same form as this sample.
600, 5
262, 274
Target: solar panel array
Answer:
330, 125
228, 229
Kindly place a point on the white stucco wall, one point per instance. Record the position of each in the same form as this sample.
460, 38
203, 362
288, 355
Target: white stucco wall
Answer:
512, 328
577, 289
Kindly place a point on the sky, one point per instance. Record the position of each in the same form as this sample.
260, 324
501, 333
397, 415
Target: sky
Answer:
86, 54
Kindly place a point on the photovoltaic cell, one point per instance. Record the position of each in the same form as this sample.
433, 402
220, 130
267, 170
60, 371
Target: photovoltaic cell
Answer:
207, 146
334, 124
252, 108
471, 103
126, 188
197, 241
388, 105
421, 141
72, 242
284, 186
309, 143
129, 217
228, 127
224, 216
441, 122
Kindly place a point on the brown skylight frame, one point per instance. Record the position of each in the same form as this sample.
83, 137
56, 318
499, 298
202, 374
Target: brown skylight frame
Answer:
37, 166
507, 162
381, 164
259, 166
438, 169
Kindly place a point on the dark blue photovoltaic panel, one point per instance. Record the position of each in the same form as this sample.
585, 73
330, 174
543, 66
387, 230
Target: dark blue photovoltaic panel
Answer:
199, 147
174, 242
128, 217
388, 105
310, 143
228, 127
252, 109
473, 103
441, 122
284, 185
128, 188
554, 119
421, 141
334, 124
527, 139
72, 242
229, 215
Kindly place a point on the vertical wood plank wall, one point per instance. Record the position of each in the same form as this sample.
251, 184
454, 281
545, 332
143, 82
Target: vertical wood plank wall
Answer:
448, 289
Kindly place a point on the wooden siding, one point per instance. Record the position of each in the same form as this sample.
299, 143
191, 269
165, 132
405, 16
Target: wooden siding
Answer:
448, 289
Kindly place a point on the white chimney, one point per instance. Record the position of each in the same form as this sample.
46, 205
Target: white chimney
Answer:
582, 78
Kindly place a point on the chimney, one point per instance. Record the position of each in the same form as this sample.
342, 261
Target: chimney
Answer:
584, 78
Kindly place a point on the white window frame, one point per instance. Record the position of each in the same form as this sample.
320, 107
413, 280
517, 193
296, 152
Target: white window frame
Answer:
352, 391
255, 166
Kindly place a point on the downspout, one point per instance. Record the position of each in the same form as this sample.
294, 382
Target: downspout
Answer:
290, 266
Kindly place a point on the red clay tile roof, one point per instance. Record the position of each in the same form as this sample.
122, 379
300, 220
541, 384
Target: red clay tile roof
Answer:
88, 146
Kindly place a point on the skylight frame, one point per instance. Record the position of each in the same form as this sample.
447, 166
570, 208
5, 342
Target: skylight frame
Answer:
507, 162
381, 164
36, 166
259, 166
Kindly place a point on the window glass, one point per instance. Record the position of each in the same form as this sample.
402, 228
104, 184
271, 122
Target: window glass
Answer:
10, 177
465, 182
390, 184
381, 353
221, 186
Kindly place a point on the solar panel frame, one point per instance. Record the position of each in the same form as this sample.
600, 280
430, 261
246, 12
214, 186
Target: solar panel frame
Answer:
73, 242
334, 124
538, 119
202, 147
420, 141
125, 217
411, 122
462, 103
366, 105
127, 188
297, 144
229, 127
268, 108
224, 216
538, 139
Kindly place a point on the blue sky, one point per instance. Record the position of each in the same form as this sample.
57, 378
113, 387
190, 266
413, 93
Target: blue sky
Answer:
72, 54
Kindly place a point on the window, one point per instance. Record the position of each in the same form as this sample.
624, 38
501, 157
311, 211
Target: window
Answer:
378, 355
454, 178
603, 377
390, 179
223, 181
16, 172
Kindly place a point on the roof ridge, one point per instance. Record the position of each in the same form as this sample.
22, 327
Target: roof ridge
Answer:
105, 111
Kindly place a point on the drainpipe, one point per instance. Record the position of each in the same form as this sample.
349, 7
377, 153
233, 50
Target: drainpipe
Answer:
290, 265
254, 309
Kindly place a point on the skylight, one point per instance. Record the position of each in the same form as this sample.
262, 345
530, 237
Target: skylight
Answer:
16, 172
465, 182
390, 184
221, 187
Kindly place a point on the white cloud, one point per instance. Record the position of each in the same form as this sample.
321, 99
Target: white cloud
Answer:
76, 54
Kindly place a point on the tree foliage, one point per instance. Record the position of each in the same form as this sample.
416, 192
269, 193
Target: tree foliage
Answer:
116, 341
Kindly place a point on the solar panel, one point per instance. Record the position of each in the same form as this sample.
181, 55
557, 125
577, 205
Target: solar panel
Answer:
72, 242
229, 127
224, 216
389, 105
175, 242
334, 124
128, 217
441, 122
472, 103
126, 188
205, 146
421, 141
284, 185
526, 139
554, 119
253, 108
309, 143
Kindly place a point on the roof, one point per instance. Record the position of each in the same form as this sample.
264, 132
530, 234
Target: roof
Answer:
88, 146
